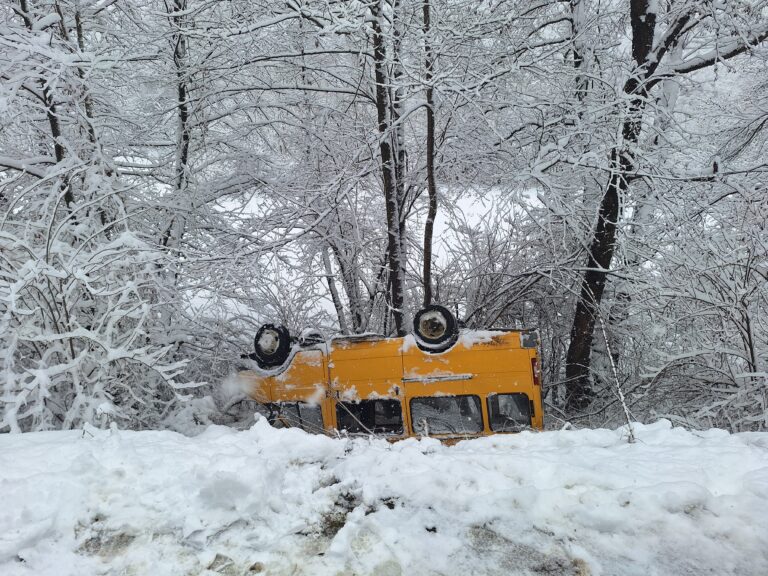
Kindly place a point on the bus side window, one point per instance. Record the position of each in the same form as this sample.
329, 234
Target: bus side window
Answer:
288, 415
311, 417
446, 415
509, 412
308, 417
370, 416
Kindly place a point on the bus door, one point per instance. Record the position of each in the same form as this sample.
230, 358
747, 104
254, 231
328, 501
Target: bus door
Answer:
301, 390
365, 376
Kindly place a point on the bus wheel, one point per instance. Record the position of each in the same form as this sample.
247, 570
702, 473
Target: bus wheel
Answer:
435, 328
272, 344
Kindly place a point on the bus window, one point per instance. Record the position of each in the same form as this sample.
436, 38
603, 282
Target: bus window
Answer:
370, 416
509, 412
311, 417
302, 415
446, 415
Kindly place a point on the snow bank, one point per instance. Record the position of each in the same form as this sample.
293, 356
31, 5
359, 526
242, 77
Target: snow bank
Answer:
282, 502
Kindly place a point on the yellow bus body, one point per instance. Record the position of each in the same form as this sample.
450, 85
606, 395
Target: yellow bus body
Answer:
477, 371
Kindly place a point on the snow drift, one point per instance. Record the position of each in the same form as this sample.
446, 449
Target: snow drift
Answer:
284, 502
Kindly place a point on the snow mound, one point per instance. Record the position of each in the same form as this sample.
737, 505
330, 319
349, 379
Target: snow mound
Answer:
279, 502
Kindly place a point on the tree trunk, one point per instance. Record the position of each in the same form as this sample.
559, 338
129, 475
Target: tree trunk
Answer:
601, 249
53, 120
431, 185
603, 244
578, 17
389, 176
348, 268
172, 237
334, 292
400, 153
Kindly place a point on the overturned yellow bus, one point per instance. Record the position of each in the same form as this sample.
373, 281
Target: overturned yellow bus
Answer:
439, 381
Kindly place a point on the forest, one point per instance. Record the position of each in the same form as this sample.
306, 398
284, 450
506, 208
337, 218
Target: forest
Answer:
175, 173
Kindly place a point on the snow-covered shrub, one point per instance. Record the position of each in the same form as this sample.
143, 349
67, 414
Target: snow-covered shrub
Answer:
79, 304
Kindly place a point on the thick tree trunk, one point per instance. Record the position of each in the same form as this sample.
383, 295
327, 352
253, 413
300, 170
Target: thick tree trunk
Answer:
601, 251
398, 140
389, 176
603, 244
431, 185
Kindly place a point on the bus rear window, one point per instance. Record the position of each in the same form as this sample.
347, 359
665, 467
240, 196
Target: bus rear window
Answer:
509, 412
370, 417
446, 415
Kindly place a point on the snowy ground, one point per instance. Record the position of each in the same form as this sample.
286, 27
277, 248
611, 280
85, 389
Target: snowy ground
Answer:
284, 502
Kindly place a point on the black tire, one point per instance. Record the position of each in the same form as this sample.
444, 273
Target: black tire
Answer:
272, 345
435, 328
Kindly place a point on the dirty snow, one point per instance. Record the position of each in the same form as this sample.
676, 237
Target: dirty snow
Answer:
280, 502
